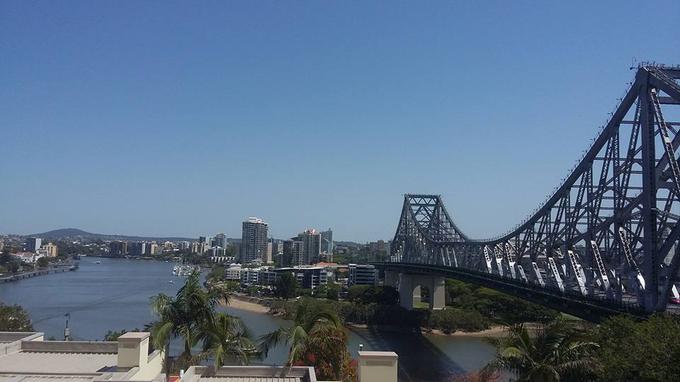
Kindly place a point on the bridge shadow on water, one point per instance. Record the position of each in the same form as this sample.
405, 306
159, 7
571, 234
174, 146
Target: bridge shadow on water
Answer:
419, 359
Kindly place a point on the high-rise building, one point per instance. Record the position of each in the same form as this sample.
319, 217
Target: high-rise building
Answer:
137, 248
50, 249
293, 253
312, 246
33, 244
254, 240
199, 247
153, 249
220, 240
118, 248
327, 244
276, 249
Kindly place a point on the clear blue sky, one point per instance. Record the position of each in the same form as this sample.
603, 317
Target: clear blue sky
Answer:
164, 118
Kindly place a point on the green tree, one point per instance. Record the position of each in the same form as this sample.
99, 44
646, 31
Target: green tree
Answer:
13, 318
556, 352
285, 286
186, 316
112, 335
225, 338
332, 291
216, 274
639, 351
326, 350
308, 317
43, 262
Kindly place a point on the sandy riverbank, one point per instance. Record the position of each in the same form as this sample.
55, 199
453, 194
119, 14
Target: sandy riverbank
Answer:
238, 303
493, 332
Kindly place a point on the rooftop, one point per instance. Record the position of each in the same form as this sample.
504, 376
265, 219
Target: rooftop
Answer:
27, 357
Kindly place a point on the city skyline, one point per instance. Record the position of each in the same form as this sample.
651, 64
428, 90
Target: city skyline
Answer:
184, 120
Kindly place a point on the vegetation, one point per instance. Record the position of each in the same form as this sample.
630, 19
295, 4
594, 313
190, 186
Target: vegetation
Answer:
9, 263
14, 318
317, 339
112, 335
453, 319
285, 286
43, 262
191, 316
216, 274
496, 306
639, 351
228, 338
557, 351
367, 294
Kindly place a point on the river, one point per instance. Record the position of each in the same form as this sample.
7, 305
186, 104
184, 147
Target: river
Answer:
114, 295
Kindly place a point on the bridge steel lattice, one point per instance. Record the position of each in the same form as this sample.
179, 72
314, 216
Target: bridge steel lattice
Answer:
608, 235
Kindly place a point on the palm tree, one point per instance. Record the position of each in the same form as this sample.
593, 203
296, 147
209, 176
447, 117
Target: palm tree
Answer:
226, 338
297, 336
185, 316
555, 353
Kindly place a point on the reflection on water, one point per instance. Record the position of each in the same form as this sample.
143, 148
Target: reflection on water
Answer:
115, 294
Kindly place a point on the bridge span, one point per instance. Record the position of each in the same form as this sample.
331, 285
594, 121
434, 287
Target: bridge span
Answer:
605, 242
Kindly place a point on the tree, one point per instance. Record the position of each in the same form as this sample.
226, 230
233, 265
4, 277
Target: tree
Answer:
216, 274
556, 352
285, 286
227, 338
13, 318
43, 262
297, 337
326, 350
186, 316
332, 291
639, 351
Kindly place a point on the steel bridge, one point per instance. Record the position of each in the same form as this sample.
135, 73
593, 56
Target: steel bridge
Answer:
607, 238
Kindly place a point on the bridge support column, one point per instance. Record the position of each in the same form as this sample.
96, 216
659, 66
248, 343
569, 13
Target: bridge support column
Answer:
391, 279
438, 293
406, 291
410, 289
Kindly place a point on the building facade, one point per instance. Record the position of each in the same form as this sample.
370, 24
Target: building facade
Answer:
118, 248
50, 250
327, 244
253, 240
311, 240
33, 244
362, 274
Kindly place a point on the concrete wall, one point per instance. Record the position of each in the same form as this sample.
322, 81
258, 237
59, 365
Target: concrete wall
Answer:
70, 346
378, 366
153, 367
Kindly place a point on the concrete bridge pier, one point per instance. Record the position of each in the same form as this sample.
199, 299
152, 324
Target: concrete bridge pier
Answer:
410, 287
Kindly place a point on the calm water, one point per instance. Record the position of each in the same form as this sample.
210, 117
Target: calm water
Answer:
115, 294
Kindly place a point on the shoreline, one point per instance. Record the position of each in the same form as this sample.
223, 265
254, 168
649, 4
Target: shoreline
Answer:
492, 332
241, 303
247, 304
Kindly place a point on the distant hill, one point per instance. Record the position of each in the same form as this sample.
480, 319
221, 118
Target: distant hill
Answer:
74, 233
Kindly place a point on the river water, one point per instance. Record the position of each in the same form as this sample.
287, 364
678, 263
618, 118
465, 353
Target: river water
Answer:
114, 295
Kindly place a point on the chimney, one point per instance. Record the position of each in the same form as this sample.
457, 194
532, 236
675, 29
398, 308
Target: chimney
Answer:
378, 366
133, 349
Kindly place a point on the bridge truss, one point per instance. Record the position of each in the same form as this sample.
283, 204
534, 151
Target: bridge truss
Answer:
609, 233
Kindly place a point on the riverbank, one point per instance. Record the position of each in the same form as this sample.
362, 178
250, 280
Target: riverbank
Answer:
245, 303
256, 305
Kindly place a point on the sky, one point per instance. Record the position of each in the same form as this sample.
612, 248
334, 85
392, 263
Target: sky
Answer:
169, 118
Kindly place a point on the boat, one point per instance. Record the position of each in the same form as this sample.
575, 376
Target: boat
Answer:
184, 269
171, 282
98, 262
